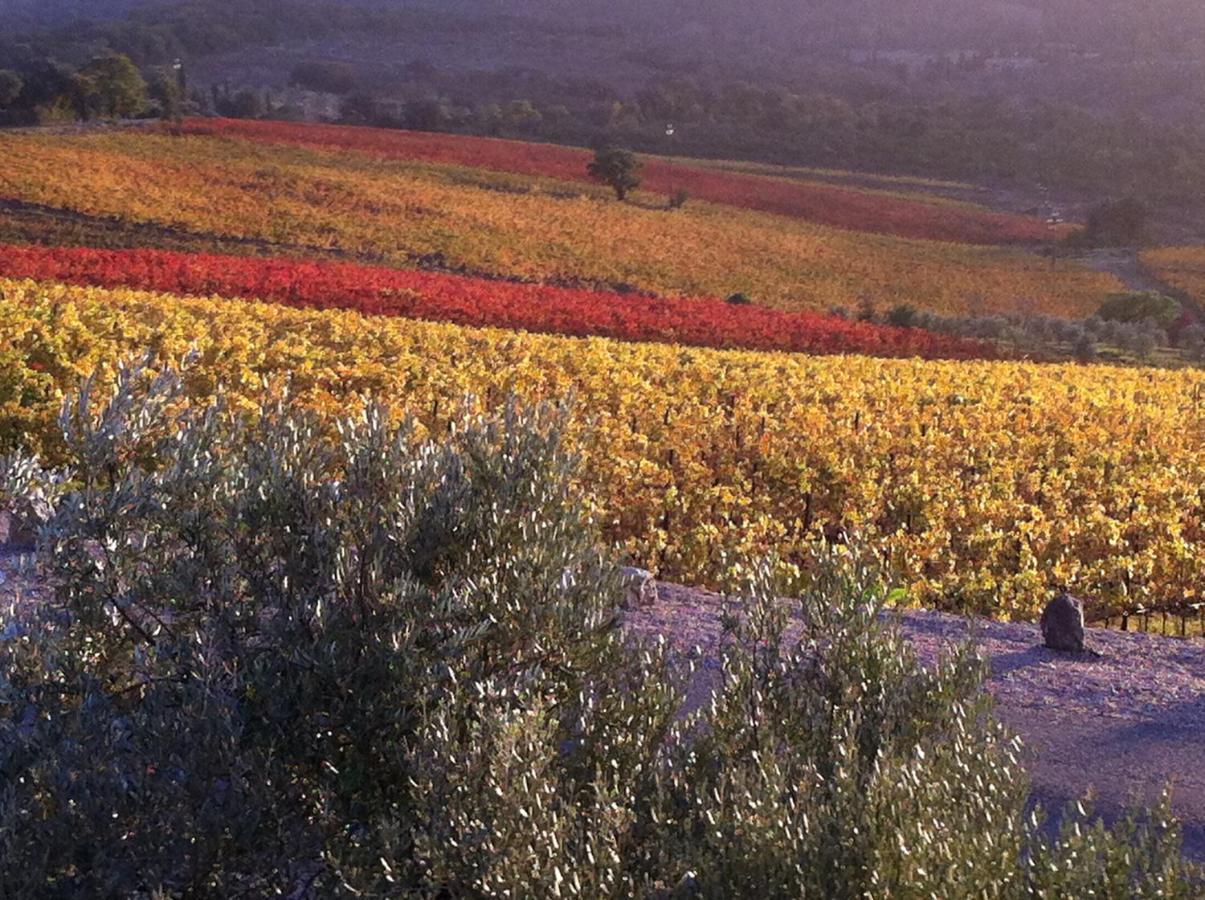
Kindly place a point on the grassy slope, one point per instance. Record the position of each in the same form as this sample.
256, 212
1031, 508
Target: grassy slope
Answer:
1181, 267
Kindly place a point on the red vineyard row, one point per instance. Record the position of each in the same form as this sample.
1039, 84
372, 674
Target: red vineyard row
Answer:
817, 202
478, 302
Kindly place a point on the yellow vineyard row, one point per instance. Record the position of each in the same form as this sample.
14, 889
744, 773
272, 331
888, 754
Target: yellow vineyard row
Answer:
987, 483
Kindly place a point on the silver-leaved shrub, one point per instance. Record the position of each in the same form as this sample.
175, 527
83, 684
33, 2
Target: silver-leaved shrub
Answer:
279, 659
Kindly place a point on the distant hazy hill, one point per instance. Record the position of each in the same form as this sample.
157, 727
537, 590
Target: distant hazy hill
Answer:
39, 13
923, 25
896, 24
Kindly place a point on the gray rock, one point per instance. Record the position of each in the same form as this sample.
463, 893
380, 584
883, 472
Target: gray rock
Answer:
1063, 624
641, 588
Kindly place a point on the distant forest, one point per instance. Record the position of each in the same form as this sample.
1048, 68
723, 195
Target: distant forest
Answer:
1100, 97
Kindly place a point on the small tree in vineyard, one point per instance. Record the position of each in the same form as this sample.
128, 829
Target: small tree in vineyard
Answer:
619, 169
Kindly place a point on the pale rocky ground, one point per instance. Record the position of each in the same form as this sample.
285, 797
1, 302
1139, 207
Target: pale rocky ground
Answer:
1121, 724
1122, 721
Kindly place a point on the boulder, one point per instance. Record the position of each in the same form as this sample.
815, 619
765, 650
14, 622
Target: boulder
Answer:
1063, 624
640, 588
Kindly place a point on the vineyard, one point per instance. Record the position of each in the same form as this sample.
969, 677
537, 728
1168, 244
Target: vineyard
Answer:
468, 301
986, 483
749, 493
282, 199
912, 216
1181, 267
342, 263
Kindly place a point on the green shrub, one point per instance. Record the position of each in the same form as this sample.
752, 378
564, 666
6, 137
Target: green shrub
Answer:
279, 660
1141, 306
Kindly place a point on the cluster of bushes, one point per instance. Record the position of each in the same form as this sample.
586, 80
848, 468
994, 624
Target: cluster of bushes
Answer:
1139, 324
1139, 307
108, 87
278, 660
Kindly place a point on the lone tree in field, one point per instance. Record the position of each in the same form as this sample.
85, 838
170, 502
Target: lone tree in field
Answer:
618, 168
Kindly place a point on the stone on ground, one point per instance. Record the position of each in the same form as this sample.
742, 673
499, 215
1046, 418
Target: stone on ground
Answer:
1063, 624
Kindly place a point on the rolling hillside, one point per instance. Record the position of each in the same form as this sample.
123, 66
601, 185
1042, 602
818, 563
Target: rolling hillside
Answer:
275, 198
398, 498
984, 481
912, 216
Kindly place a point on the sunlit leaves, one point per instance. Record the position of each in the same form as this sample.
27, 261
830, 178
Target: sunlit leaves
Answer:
987, 484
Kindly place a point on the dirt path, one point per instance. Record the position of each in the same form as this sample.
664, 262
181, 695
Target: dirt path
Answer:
1126, 265
1122, 725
